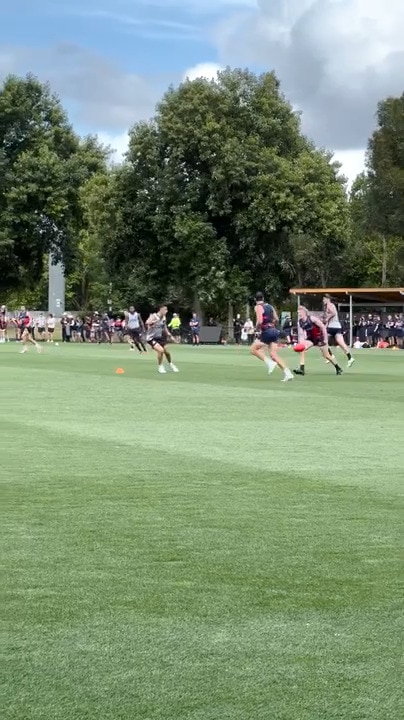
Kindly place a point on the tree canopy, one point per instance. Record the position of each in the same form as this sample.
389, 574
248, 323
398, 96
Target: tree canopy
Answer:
220, 194
217, 192
43, 166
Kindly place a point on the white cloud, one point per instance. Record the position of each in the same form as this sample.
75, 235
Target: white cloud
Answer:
335, 58
207, 70
98, 92
352, 161
117, 143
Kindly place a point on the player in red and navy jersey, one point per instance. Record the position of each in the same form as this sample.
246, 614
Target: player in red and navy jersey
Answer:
26, 324
313, 333
268, 336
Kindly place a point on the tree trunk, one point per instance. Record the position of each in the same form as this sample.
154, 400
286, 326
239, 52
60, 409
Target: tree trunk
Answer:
230, 318
198, 308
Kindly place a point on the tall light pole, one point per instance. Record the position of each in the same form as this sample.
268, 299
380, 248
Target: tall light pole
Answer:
56, 288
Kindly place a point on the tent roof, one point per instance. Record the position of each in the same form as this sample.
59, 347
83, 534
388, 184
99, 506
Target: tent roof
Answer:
383, 296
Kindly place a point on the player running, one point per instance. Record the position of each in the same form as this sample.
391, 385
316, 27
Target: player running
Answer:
313, 333
334, 327
157, 335
26, 336
134, 329
266, 321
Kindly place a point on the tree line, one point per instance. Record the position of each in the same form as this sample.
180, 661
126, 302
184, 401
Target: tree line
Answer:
219, 194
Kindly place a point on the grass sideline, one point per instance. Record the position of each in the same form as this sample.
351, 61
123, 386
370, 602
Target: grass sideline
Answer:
210, 545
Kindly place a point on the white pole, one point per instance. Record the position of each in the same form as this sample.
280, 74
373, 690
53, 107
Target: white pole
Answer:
350, 322
297, 317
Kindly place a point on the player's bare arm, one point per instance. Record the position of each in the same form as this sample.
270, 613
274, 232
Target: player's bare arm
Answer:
259, 311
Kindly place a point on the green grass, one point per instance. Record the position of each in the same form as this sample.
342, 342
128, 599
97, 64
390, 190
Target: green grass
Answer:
204, 546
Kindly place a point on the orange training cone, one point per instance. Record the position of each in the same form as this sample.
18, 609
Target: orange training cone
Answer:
119, 371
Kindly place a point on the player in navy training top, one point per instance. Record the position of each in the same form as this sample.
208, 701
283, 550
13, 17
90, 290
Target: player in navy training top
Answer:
313, 333
268, 335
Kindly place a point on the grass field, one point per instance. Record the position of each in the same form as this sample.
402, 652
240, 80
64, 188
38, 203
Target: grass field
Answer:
210, 545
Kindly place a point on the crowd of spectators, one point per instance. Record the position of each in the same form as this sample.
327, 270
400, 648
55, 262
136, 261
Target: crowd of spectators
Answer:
372, 330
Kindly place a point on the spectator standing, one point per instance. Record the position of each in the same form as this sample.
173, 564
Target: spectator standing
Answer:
50, 327
175, 327
195, 325
237, 328
249, 329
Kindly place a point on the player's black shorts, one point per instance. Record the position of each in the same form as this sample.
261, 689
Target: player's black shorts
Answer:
334, 331
26, 329
134, 333
157, 341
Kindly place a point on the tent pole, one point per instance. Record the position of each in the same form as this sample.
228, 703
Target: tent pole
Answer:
350, 322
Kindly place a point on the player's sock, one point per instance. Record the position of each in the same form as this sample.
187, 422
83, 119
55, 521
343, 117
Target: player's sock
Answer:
300, 371
271, 365
338, 369
349, 356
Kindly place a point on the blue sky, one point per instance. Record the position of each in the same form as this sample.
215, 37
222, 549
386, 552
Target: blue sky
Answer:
110, 61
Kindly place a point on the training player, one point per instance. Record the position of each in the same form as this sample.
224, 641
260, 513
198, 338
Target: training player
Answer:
313, 333
157, 335
26, 325
3, 324
134, 329
334, 327
266, 321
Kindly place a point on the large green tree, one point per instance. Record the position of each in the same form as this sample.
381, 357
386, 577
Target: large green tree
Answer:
43, 166
214, 190
373, 257
385, 162
376, 252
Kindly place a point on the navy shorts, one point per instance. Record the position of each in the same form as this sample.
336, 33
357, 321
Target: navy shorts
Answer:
334, 331
271, 335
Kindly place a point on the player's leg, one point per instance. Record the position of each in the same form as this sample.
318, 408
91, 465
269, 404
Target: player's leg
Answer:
275, 357
167, 355
159, 350
23, 340
258, 349
331, 359
136, 341
302, 367
339, 339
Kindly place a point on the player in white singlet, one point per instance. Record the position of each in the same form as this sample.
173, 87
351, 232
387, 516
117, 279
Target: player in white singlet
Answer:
334, 327
156, 336
134, 329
